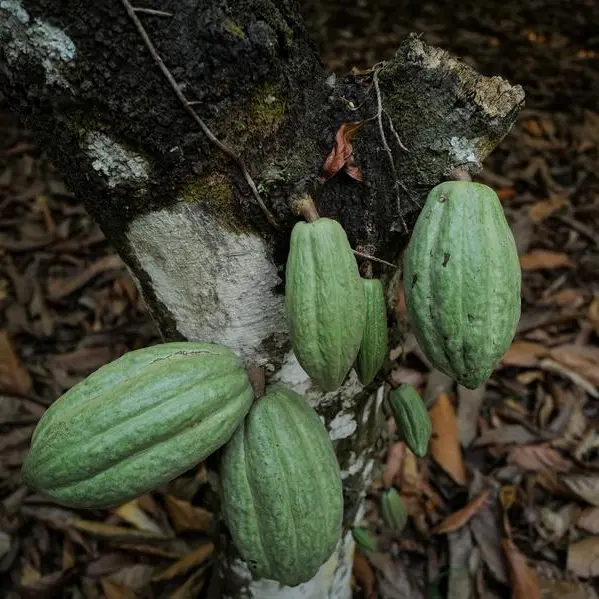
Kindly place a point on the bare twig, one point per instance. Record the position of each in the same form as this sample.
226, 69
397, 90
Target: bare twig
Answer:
397, 138
153, 11
375, 259
207, 132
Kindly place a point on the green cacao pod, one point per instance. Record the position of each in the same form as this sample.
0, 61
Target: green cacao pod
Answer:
325, 301
393, 510
281, 489
136, 423
374, 341
364, 539
411, 417
462, 281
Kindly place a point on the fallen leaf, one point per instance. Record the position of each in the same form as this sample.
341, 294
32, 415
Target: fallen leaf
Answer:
571, 298
364, 575
396, 580
13, 376
589, 520
132, 513
5, 542
115, 591
538, 457
539, 211
393, 463
197, 557
584, 486
186, 516
115, 533
523, 354
461, 517
135, 576
506, 435
342, 150
583, 558
593, 313
445, 445
554, 524
460, 583
525, 584
545, 259
583, 359
576, 378
566, 589
486, 531
49, 585
191, 588
68, 554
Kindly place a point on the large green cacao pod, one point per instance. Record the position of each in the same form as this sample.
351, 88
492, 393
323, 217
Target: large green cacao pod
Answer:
137, 422
374, 341
411, 417
281, 489
462, 281
325, 302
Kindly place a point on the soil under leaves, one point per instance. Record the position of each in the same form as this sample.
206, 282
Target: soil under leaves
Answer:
506, 503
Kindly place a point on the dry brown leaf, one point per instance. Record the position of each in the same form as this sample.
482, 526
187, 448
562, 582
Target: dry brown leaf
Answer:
132, 513
575, 377
364, 575
461, 517
115, 591
583, 359
524, 354
197, 557
342, 151
538, 457
539, 211
13, 376
545, 259
585, 487
571, 298
589, 520
583, 558
68, 554
445, 444
190, 589
114, 533
393, 463
134, 576
525, 584
593, 313
566, 589
186, 516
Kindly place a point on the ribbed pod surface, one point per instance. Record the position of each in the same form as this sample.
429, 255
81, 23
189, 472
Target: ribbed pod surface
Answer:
281, 489
325, 301
462, 281
138, 422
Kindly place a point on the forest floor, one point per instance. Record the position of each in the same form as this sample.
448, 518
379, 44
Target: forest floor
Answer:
507, 503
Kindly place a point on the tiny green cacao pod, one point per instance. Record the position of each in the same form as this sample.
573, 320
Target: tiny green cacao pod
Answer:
411, 417
393, 510
137, 423
325, 302
374, 341
364, 539
462, 281
282, 495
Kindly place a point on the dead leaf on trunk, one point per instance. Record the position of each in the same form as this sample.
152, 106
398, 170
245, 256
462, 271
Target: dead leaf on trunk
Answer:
364, 575
461, 517
341, 154
445, 444
525, 583
583, 558
545, 260
538, 457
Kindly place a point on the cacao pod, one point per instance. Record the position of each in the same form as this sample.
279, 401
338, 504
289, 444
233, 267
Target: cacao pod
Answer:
462, 281
364, 539
373, 348
393, 510
136, 423
411, 417
281, 489
325, 301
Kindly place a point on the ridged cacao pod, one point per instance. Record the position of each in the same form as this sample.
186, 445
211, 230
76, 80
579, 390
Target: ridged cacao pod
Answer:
325, 301
137, 423
281, 489
374, 341
411, 417
462, 281
364, 539
393, 510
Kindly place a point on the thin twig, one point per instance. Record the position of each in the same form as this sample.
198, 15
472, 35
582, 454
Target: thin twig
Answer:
374, 259
153, 11
397, 138
207, 132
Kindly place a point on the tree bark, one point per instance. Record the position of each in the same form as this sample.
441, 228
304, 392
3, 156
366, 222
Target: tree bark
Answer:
179, 211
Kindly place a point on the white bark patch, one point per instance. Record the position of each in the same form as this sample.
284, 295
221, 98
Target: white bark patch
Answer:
45, 44
343, 425
114, 162
218, 284
292, 376
463, 150
355, 465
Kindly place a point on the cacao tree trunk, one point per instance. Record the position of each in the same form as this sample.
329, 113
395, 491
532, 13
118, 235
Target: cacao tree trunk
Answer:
179, 211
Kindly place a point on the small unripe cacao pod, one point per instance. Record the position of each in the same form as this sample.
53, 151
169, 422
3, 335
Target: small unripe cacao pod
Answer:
364, 539
393, 510
411, 417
